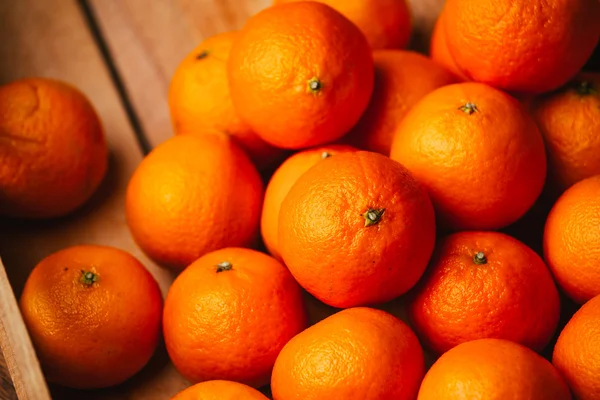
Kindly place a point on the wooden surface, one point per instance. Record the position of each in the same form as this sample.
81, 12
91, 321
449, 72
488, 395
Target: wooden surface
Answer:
121, 54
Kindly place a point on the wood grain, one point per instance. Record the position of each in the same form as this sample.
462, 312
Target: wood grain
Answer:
20, 358
147, 43
7, 389
50, 38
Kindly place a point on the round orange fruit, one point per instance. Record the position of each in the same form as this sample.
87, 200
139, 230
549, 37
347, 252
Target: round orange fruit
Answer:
356, 229
492, 369
439, 51
478, 153
531, 46
199, 99
402, 78
52, 149
93, 314
386, 24
191, 195
358, 353
484, 285
572, 240
300, 74
219, 390
229, 314
280, 184
577, 351
569, 120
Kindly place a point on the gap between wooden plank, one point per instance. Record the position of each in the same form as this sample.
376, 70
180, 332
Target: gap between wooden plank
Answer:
92, 23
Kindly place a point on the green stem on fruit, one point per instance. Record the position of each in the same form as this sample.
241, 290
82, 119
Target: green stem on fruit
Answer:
325, 155
585, 88
479, 258
314, 85
202, 55
224, 266
88, 278
469, 108
373, 216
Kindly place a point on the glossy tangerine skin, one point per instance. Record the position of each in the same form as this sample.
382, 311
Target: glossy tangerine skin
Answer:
492, 369
572, 240
92, 336
577, 351
52, 149
219, 390
459, 301
483, 169
278, 53
326, 245
191, 195
569, 120
232, 324
282, 181
199, 99
356, 354
522, 46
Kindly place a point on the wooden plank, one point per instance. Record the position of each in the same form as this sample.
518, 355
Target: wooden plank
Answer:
50, 38
147, 43
29, 383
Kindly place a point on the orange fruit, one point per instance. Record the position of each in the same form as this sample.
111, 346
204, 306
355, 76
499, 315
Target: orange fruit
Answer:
191, 195
439, 51
219, 390
402, 78
280, 184
572, 240
523, 46
93, 314
300, 74
569, 121
577, 352
358, 353
478, 153
492, 369
386, 24
199, 99
484, 285
52, 149
356, 229
229, 314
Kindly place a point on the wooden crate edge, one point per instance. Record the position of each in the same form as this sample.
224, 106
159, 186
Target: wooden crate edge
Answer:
22, 362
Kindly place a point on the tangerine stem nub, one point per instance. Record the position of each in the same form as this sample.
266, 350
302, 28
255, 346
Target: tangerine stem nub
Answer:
314, 85
469, 108
202, 55
88, 278
585, 88
373, 216
224, 266
325, 155
479, 258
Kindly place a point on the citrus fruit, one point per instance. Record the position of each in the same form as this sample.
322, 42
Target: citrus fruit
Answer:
531, 46
300, 74
191, 195
492, 369
572, 240
438, 48
569, 120
358, 353
577, 352
229, 314
93, 314
478, 153
386, 24
219, 390
356, 229
199, 98
402, 78
484, 285
282, 180
52, 149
